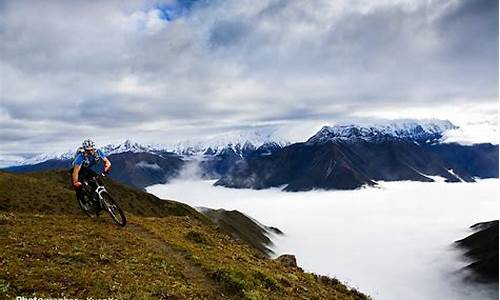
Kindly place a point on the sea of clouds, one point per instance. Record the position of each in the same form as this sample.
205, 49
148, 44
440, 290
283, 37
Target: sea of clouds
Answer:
391, 242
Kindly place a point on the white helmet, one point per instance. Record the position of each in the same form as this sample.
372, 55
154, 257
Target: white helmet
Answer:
88, 145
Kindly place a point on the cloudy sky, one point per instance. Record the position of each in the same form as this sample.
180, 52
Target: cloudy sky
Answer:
160, 71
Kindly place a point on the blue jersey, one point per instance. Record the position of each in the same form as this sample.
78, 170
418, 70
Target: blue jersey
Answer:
91, 162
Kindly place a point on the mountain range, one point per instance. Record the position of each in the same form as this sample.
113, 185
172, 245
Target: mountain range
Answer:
343, 156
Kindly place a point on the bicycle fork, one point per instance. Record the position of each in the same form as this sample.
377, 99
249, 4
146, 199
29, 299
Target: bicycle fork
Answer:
99, 190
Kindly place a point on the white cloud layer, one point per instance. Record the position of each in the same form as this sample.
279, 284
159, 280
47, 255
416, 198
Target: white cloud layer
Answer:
163, 70
393, 242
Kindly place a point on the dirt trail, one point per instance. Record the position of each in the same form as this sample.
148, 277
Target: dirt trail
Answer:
194, 273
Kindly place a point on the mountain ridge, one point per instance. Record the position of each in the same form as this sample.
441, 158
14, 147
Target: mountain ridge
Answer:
339, 157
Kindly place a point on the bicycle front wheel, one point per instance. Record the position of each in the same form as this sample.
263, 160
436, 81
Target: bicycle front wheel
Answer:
113, 209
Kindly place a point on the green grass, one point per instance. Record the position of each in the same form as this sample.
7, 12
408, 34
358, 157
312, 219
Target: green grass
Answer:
167, 251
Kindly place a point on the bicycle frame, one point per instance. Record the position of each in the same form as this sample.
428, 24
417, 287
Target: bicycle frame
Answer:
99, 189
104, 200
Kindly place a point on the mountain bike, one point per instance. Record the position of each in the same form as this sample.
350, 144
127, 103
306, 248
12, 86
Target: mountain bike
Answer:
96, 198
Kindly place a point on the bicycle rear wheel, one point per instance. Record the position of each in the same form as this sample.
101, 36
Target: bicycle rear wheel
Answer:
113, 209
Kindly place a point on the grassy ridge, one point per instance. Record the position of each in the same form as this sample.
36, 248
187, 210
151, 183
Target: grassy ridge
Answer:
51, 192
167, 251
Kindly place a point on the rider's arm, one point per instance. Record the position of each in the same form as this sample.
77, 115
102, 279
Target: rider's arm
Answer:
76, 169
77, 164
106, 161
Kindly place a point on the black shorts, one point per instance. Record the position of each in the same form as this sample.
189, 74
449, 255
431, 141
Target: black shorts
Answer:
84, 174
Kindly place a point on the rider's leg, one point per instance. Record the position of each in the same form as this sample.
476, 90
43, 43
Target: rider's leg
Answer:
86, 175
79, 191
83, 176
79, 194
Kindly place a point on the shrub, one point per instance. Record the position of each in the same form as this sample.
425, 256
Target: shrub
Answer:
196, 237
268, 282
230, 279
255, 295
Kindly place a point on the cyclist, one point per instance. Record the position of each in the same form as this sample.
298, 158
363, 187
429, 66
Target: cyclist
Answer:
87, 164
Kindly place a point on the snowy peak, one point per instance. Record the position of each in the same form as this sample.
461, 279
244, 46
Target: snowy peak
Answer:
238, 142
419, 131
129, 146
239, 149
47, 156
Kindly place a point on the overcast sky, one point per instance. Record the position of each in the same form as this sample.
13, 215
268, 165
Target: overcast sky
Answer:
159, 71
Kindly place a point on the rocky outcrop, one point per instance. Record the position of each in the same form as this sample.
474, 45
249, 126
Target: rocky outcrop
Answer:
288, 260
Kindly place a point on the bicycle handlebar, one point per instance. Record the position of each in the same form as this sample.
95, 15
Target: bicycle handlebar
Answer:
94, 177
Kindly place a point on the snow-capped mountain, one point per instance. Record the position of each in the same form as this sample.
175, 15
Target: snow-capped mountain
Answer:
419, 131
350, 156
239, 142
131, 146
47, 156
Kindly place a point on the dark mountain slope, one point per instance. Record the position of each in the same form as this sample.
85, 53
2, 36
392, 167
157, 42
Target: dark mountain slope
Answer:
339, 164
479, 160
51, 164
242, 227
143, 169
216, 164
482, 247
395, 159
296, 165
